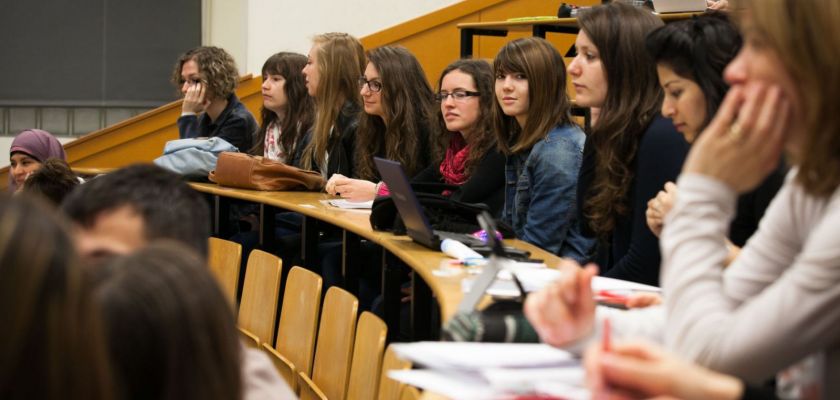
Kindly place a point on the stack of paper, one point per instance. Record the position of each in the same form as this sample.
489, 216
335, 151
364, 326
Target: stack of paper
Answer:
535, 278
491, 370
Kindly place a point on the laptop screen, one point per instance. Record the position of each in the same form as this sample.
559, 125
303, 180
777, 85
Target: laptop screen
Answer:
416, 224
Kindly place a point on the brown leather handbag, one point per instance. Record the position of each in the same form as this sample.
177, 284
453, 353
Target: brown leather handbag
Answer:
245, 171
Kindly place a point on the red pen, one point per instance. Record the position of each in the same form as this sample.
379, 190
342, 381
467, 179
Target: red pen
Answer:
605, 336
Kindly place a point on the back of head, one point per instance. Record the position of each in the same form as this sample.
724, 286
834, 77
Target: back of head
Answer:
300, 112
341, 60
51, 343
169, 207
548, 103
407, 102
54, 181
216, 67
806, 36
698, 49
171, 333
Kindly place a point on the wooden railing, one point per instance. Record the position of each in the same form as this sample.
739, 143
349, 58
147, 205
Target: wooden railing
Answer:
435, 40
141, 138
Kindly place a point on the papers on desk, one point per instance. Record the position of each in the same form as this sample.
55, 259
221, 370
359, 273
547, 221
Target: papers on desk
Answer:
491, 370
351, 205
534, 278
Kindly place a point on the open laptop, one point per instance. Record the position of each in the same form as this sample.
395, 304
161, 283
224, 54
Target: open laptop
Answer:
675, 6
416, 224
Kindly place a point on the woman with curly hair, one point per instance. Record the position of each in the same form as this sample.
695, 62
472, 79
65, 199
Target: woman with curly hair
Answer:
207, 77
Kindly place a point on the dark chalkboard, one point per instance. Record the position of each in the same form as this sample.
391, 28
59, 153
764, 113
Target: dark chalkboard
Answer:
93, 52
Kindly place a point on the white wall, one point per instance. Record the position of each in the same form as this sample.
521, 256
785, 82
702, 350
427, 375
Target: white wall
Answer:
259, 28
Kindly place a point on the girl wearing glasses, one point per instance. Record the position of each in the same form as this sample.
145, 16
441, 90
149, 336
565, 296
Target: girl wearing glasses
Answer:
471, 161
334, 64
396, 123
543, 147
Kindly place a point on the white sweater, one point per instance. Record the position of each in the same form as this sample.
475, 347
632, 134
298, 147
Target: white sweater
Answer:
778, 303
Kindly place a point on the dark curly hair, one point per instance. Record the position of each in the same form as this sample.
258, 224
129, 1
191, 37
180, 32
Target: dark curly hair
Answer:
216, 68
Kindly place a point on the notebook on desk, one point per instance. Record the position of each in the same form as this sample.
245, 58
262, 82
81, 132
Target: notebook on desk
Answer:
416, 224
675, 6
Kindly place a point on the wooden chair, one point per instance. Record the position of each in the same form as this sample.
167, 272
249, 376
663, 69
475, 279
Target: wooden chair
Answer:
295, 346
367, 357
334, 349
258, 309
224, 259
389, 388
409, 393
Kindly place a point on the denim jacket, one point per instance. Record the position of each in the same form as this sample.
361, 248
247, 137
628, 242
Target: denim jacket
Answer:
540, 193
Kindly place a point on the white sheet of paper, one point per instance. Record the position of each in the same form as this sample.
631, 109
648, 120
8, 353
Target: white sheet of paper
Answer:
474, 356
534, 279
347, 204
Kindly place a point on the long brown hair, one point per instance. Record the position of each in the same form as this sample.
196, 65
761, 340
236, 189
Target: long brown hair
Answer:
549, 104
633, 100
300, 112
341, 60
171, 331
407, 101
806, 35
482, 138
51, 344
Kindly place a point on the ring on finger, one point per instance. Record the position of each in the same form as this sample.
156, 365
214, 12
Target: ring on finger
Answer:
735, 132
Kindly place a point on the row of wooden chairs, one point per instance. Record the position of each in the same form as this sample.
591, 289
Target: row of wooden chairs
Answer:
348, 362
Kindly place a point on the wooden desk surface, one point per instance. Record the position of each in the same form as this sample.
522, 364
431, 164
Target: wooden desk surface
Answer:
306, 203
560, 22
422, 260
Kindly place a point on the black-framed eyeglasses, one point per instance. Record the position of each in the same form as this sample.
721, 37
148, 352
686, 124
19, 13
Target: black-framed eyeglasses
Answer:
374, 86
458, 95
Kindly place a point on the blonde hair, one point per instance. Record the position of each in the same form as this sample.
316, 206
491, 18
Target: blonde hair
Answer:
806, 36
341, 61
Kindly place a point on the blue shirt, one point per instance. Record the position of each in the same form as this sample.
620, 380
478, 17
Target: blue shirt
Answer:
541, 190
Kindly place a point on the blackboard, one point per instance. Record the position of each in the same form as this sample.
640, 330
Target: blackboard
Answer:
114, 53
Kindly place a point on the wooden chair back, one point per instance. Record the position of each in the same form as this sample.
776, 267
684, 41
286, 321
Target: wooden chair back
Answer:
224, 259
389, 388
260, 296
333, 351
409, 393
296, 331
367, 357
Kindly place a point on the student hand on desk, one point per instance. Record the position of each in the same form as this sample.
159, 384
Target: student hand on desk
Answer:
658, 207
722, 5
195, 100
564, 311
642, 370
351, 189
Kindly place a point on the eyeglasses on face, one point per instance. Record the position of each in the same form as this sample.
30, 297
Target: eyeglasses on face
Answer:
458, 95
374, 86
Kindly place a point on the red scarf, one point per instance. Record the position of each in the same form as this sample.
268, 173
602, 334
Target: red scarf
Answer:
455, 162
